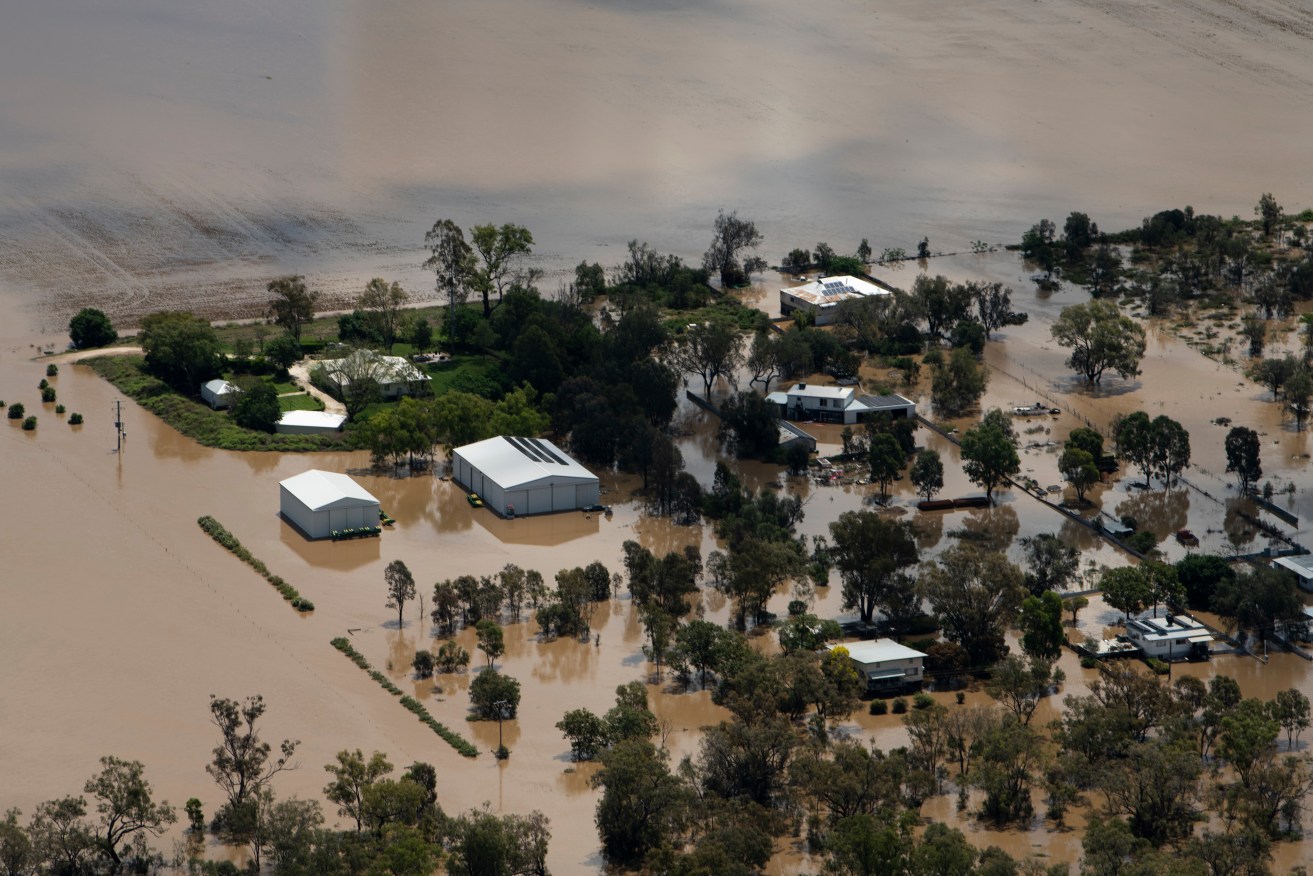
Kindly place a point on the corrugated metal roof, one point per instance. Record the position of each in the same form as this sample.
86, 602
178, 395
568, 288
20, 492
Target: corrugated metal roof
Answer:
513, 462
312, 418
877, 651
876, 402
219, 386
326, 490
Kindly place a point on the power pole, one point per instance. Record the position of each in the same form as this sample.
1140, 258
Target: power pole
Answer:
118, 425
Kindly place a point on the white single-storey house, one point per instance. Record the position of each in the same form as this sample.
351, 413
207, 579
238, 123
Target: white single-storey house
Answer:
309, 423
1302, 566
884, 663
1169, 637
396, 375
320, 503
822, 297
219, 393
518, 476
837, 404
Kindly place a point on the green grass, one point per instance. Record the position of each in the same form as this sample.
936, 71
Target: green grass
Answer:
475, 373
301, 402
196, 420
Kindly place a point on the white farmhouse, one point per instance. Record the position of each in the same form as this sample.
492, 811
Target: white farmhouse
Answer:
837, 404
518, 476
1169, 637
885, 664
320, 503
396, 375
219, 393
822, 298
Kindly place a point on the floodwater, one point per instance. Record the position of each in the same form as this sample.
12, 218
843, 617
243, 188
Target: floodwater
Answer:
179, 154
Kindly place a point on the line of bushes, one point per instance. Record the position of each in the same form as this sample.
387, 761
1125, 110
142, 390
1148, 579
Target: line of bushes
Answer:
195, 419
452, 738
215, 530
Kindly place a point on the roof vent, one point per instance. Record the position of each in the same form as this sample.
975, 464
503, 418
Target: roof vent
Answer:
802, 386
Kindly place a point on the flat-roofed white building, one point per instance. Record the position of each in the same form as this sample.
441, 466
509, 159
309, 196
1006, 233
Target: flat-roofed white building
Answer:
309, 423
518, 476
823, 297
219, 393
320, 503
1170, 636
884, 663
1302, 566
837, 404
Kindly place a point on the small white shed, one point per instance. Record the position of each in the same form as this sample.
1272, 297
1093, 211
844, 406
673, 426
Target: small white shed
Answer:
519, 476
320, 503
884, 663
309, 423
219, 393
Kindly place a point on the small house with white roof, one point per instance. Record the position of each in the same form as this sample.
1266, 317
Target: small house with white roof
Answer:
822, 298
885, 664
837, 404
320, 503
1301, 566
519, 476
1170, 637
219, 393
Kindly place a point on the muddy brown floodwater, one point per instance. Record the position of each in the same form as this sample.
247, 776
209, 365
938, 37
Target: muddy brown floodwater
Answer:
177, 154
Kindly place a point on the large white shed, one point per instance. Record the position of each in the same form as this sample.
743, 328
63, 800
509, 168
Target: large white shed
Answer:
323, 502
309, 423
518, 476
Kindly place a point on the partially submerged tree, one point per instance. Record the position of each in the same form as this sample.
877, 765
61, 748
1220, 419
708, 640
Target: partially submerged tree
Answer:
1100, 338
732, 236
401, 588
1242, 449
871, 552
989, 457
242, 763
927, 474
127, 808
90, 328
710, 350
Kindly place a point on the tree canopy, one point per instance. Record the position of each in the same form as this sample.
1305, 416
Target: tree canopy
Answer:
1100, 338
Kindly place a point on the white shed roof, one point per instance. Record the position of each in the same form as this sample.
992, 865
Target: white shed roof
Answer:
1301, 565
321, 419
877, 651
830, 291
516, 462
325, 490
219, 386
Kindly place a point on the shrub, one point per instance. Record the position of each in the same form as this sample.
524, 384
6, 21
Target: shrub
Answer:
452, 657
75, 420
423, 664
44, 384
59, 409
961, 697
215, 530
797, 608
1143, 541
52, 370
879, 707
29, 424
16, 411
1088, 663
48, 394
900, 706
1159, 667
922, 701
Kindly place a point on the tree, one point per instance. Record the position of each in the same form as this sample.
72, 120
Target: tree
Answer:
994, 306
1104, 271
1088, 440
1260, 601
241, 764
1041, 626
750, 423
453, 264
701, 644
1269, 213
62, 837
292, 305
1254, 330
498, 253
1050, 563
1134, 436
491, 640
1291, 709
1009, 758
887, 460
355, 379
764, 359
870, 552
1078, 469
89, 328
927, 474
989, 457
1020, 684
732, 236
257, 408
401, 587
957, 385
283, 351
942, 304
1037, 245
423, 664
353, 775
181, 349
587, 734
123, 799
17, 857
1242, 450
383, 304
1171, 447
975, 595
494, 696
1126, 589
710, 350
1100, 338
642, 805
1298, 394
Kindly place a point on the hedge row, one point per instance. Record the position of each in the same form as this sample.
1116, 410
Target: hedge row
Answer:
452, 738
216, 531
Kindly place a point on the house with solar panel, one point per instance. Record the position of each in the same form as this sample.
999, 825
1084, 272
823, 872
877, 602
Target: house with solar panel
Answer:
810, 402
519, 476
822, 298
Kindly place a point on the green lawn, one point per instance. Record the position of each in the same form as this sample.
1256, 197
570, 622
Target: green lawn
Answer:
300, 402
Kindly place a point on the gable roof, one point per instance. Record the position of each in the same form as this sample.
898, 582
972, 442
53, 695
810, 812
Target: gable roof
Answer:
327, 490
512, 462
219, 386
322, 419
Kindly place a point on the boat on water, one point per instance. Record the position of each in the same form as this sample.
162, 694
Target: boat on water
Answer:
1038, 409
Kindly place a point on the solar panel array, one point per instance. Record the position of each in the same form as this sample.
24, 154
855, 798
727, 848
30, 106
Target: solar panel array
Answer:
837, 287
535, 450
